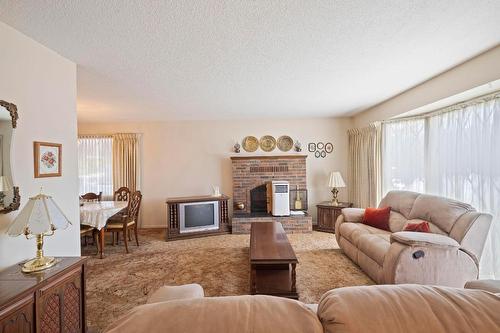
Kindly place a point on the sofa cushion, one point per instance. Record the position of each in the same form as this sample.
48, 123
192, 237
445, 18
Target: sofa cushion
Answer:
377, 217
352, 231
408, 308
418, 227
374, 246
440, 211
239, 314
397, 221
400, 201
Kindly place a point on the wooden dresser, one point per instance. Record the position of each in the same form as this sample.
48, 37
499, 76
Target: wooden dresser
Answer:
328, 214
51, 301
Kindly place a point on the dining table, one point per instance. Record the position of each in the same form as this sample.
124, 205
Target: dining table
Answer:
96, 215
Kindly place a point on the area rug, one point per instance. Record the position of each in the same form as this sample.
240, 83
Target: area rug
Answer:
121, 281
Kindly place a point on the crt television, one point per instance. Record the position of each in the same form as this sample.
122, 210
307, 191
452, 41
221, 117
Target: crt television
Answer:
199, 216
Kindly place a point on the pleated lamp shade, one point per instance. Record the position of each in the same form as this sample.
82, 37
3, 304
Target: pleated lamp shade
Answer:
40, 215
336, 180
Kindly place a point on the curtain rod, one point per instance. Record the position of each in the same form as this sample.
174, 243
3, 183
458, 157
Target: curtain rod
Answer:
83, 136
93, 136
449, 108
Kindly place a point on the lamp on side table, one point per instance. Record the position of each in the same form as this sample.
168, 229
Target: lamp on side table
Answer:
39, 218
335, 182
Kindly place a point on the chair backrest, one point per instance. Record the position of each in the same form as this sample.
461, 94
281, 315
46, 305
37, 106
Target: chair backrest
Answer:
89, 197
134, 205
122, 194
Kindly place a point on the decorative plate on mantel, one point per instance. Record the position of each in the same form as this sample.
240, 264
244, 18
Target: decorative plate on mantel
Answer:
250, 144
267, 143
285, 143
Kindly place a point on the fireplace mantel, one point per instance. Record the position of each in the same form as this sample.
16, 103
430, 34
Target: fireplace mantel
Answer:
268, 157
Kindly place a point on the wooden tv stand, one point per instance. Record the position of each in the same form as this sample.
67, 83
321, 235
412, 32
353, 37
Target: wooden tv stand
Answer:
173, 226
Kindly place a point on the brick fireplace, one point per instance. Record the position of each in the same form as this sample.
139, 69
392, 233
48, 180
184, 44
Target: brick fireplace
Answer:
250, 174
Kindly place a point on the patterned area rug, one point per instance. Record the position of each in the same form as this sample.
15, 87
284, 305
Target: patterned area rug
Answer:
121, 281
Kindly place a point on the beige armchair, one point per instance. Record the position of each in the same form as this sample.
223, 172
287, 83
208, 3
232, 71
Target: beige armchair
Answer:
448, 256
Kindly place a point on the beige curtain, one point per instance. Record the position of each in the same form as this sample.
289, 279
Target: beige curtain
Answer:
126, 160
364, 164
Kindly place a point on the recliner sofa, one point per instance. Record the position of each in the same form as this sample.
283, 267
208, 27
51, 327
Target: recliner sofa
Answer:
374, 309
447, 256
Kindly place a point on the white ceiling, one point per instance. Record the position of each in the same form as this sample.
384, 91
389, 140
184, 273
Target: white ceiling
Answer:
216, 59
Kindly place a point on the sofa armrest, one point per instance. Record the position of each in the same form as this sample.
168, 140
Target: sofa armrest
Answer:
493, 286
172, 293
353, 214
423, 239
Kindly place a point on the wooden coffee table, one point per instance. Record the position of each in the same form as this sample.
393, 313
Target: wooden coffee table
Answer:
272, 261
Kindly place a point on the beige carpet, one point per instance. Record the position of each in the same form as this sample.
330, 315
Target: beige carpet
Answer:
121, 281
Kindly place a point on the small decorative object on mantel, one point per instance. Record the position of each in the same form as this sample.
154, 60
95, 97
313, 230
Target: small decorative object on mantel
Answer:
240, 206
216, 191
39, 218
285, 143
335, 181
48, 159
250, 143
237, 147
267, 143
320, 149
298, 146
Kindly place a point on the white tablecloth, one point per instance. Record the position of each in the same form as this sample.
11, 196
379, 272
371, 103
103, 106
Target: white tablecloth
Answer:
95, 214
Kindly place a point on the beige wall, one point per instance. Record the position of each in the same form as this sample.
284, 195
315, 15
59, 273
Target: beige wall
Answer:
478, 71
188, 157
43, 86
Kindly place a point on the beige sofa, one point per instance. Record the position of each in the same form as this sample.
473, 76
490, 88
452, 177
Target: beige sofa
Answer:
447, 256
374, 309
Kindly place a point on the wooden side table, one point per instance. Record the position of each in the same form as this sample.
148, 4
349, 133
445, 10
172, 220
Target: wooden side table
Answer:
328, 214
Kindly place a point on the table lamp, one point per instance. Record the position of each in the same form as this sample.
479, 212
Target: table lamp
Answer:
335, 182
40, 217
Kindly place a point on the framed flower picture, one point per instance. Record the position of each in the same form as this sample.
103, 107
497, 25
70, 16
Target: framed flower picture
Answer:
48, 159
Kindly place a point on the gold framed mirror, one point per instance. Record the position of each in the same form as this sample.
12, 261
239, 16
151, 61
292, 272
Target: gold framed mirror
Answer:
9, 194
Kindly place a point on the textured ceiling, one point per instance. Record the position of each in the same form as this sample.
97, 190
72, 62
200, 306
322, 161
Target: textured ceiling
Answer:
215, 59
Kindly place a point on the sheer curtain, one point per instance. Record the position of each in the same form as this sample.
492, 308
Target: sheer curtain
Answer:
456, 156
95, 165
403, 156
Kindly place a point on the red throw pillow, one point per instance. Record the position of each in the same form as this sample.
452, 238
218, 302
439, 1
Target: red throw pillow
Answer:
377, 217
418, 227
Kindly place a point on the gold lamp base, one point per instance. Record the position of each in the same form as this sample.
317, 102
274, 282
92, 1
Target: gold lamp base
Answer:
41, 262
38, 264
335, 192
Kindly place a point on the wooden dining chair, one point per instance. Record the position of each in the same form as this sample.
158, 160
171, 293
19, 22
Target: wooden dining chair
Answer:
128, 221
122, 194
91, 197
86, 230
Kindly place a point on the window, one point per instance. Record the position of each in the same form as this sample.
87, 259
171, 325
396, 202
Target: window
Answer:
95, 165
452, 153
